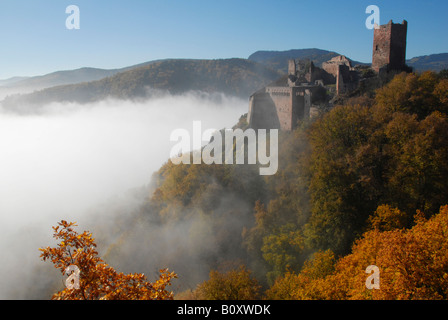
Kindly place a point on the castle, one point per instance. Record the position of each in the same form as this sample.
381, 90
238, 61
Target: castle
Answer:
283, 103
389, 46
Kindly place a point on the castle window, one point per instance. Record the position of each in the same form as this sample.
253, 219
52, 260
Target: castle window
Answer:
376, 48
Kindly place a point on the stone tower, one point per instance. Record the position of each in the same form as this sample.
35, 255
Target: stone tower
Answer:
292, 69
389, 46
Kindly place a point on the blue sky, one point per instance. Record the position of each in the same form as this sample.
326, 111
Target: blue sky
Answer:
116, 33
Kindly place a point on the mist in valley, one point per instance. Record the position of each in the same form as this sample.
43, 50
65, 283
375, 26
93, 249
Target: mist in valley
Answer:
93, 164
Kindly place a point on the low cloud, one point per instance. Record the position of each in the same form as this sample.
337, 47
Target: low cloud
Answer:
66, 159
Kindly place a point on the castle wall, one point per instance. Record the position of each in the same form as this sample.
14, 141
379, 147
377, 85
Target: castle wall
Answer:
332, 66
262, 112
283, 101
346, 79
281, 106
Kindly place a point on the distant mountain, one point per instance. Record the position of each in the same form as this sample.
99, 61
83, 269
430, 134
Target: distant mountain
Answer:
278, 60
21, 85
237, 77
434, 62
62, 77
11, 81
29, 84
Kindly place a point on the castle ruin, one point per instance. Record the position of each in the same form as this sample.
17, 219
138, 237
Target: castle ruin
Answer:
389, 46
283, 103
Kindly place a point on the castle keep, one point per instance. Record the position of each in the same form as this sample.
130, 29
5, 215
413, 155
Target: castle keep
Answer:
389, 46
283, 103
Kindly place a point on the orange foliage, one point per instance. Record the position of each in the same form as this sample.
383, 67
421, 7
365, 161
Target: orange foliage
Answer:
307, 284
413, 264
97, 280
386, 218
232, 285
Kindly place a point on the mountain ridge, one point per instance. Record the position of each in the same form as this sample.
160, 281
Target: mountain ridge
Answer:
260, 56
279, 59
236, 76
434, 62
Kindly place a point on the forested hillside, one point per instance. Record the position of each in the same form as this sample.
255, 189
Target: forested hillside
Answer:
361, 184
238, 77
352, 186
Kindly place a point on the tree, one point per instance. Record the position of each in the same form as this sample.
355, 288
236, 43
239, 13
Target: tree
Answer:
305, 285
393, 152
417, 170
386, 218
237, 284
345, 182
282, 250
413, 265
413, 93
97, 280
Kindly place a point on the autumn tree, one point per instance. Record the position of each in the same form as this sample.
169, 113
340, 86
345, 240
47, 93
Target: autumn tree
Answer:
392, 152
97, 280
275, 242
282, 250
413, 265
236, 284
413, 93
345, 185
386, 218
415, 178
304, 285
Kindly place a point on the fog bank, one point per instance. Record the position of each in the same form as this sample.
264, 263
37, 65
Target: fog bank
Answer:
59, 163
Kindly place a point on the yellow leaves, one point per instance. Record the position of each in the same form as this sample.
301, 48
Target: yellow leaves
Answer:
236, 284
97, 279
387, 218
413, 265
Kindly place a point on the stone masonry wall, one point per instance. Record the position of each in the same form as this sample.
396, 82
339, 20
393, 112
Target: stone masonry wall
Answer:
389, 46
282, 98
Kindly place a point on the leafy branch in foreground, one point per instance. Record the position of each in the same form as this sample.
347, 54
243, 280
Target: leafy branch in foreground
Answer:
97, 280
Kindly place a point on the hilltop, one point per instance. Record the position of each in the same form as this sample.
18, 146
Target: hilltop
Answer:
278, 60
